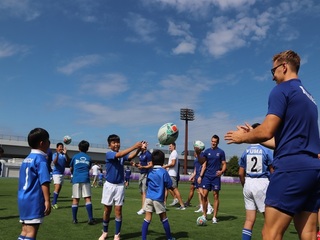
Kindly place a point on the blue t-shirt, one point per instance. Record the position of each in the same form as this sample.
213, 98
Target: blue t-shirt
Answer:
297, 138
33, 173
114, 167
256, 160
60, 166
81, 165
214, 159
158, 180
127, 173
144, 159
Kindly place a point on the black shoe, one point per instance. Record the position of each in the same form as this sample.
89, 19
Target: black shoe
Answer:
75, 221
91, 222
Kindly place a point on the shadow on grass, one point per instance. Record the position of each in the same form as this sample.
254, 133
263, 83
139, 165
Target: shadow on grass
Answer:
226, 218
9, 217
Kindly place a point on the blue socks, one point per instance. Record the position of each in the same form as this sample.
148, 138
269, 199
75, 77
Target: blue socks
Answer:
89, 210
166, 227
118, 225
145, 226
246, 234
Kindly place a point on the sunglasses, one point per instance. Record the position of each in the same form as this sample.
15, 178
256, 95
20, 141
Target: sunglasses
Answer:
273, 70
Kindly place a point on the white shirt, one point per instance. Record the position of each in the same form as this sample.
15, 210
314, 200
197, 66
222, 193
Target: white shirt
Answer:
173, 171
95, 169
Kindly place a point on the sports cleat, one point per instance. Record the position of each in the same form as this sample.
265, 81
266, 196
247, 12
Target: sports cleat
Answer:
187, 204
55, 206
181, 208
103, 236
117, 237
75, 221
199, 210
175, 201
214, 220
92, 222
141, 212
210, 211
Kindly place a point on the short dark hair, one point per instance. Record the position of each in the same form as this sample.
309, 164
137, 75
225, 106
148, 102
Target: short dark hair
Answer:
83, 146
157, 157
36, 136
59, 144
290, 57
113, 138
216, 137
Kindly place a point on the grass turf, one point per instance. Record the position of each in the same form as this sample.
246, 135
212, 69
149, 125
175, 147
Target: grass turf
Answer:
59, 225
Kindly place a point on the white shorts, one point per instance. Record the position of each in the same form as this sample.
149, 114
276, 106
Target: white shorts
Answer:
112, 194
32, 221
81, 190
57, 179
254, 193
154, 206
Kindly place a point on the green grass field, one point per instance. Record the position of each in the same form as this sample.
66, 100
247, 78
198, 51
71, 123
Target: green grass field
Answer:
183, 223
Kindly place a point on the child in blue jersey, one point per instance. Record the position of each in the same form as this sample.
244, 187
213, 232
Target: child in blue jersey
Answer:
60, 159
113, 188
80, 166
127, 176
214, 164
157, 181
291, 129
101, 178
34, 185
255, 166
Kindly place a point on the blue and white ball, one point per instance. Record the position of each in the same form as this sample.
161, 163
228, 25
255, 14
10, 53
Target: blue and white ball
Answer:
168, 133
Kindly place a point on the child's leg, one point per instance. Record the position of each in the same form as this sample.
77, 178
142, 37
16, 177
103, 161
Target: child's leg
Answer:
145, 225
29, 231
74, 207
106, 217
166, 225
118, 218
89, 208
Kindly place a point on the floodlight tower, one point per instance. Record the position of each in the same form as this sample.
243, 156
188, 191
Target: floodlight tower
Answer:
186, 114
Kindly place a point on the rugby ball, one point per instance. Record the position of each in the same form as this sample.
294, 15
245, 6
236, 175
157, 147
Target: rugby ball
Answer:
168, 133
67, 139
201, 221
199, 144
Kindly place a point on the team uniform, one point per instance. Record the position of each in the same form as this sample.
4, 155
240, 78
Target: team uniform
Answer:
113, 188
81, 164
158, 180
214, 159
127, 174
100, 177
197, 166
294, 186
144, 159
59, 168
256, 160
33, 173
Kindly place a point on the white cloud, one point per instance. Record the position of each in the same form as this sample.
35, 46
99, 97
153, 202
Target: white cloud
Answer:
79, 63
8, 49
142, 27
19, 8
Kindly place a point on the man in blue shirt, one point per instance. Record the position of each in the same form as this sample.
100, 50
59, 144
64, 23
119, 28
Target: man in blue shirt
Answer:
60, 159
291, 129
127, 176
158, 180
80, 166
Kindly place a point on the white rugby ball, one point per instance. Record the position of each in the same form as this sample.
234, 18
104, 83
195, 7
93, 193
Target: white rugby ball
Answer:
199, 144
168, 133
67, 139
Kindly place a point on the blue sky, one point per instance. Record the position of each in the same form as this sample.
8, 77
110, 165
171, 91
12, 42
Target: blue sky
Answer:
92, 68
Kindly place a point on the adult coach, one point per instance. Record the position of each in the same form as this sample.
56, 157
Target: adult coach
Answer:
292, 119
255, 166
213, 161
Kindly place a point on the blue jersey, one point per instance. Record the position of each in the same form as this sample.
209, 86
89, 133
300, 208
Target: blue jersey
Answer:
33, 173
157, 181
297, 140
81, 165
127, 173
214, 159
256, 160
114, 167
60, 166
144, 159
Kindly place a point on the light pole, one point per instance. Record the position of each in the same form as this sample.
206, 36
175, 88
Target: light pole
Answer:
186, 114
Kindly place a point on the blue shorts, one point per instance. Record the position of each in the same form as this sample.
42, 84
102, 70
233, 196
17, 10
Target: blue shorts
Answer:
211, 184
295, 191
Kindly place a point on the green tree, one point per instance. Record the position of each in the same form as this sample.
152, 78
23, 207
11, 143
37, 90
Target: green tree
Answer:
232, 167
